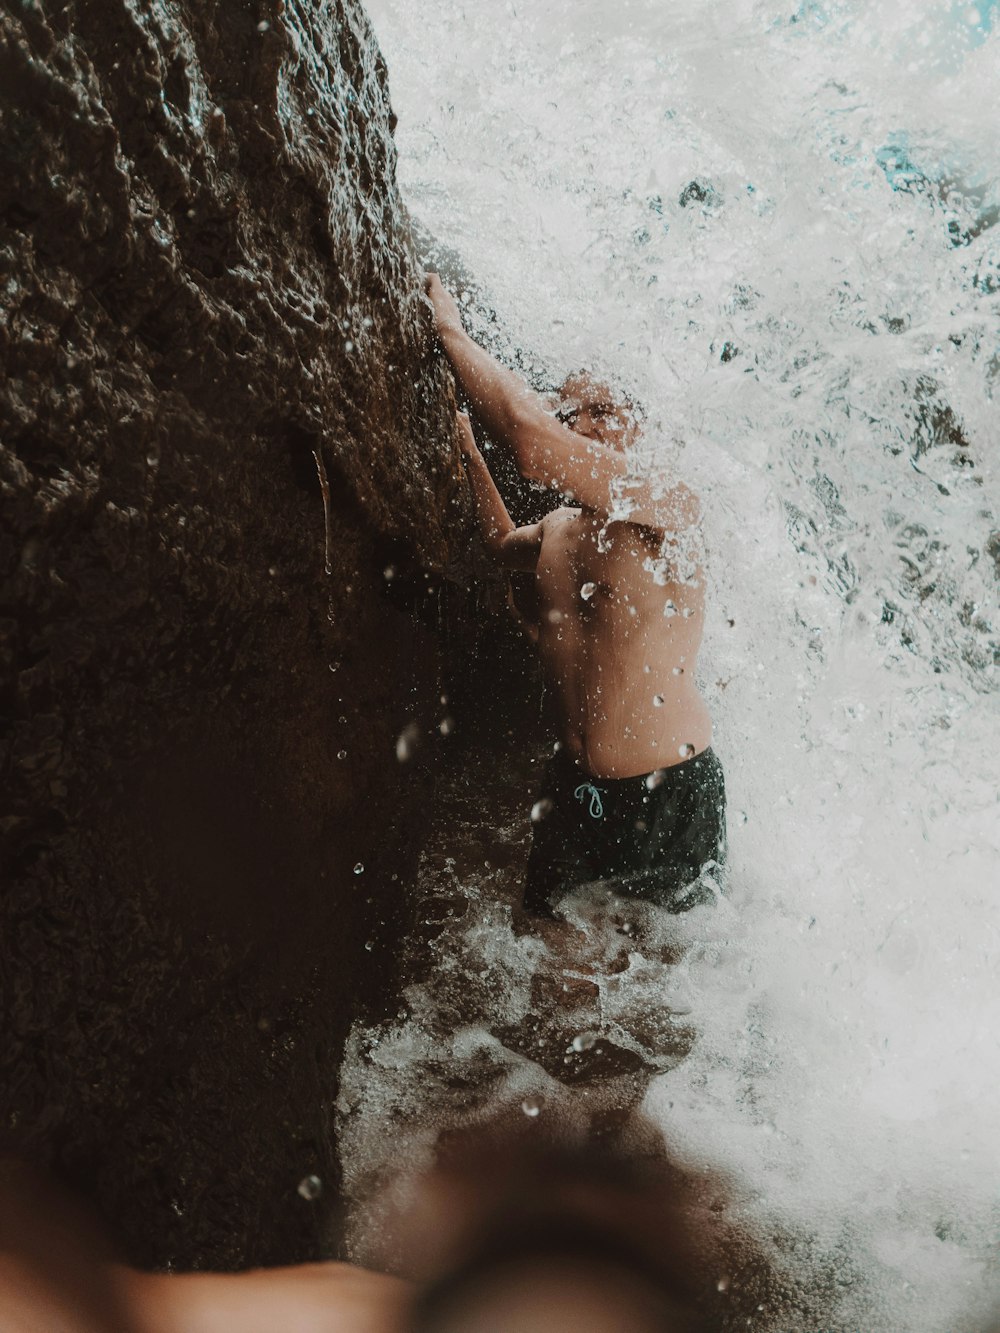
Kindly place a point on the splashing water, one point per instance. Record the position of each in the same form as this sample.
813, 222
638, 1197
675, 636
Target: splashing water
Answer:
777, 226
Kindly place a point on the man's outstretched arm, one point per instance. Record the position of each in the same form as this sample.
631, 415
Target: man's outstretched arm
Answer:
546, 451
515, 548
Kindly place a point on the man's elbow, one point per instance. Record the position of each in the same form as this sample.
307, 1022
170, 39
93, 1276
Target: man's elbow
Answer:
496, 546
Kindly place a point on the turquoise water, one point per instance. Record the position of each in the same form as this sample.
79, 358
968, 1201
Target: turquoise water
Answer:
815, 326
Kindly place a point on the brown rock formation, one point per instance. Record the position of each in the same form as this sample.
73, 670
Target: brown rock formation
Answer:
206, 280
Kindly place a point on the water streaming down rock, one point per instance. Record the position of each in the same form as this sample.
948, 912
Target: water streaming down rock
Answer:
777, 225
207, 285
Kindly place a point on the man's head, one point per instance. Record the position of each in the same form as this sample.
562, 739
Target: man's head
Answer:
592, 408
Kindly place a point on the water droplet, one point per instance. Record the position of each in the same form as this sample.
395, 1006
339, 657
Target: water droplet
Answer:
555, 617
540, 810
655, 778
669, 609
532, 1106
341, 754
359, 869
973, 17
584, 1041
556, 746
348, 346
273, 571
263, 25
657, 700
310, 1187
587, 591
687, 613
444, 701
407, 742
677, 671
647, 669
367, 322
446, 726
369, 945
722, 1284
686, 751
389, 573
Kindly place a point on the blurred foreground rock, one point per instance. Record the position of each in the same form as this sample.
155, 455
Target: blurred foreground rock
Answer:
206, 282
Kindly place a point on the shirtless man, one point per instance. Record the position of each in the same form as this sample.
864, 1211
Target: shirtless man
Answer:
633, 802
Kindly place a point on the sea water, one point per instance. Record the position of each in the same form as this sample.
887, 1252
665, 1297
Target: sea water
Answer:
778, 227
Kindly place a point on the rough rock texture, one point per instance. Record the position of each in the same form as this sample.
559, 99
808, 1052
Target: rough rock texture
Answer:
206, 281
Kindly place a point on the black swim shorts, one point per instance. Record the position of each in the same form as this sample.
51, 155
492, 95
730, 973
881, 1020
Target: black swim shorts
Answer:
659, 838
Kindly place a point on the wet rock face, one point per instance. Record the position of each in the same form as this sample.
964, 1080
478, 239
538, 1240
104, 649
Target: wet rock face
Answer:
206, 285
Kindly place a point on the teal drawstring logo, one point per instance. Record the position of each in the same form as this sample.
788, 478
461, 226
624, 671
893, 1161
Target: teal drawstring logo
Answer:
586, 789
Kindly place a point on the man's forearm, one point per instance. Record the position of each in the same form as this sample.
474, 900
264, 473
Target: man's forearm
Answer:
491, 513
500, 399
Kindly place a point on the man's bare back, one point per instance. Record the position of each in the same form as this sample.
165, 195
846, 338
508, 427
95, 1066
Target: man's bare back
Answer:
618, 646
